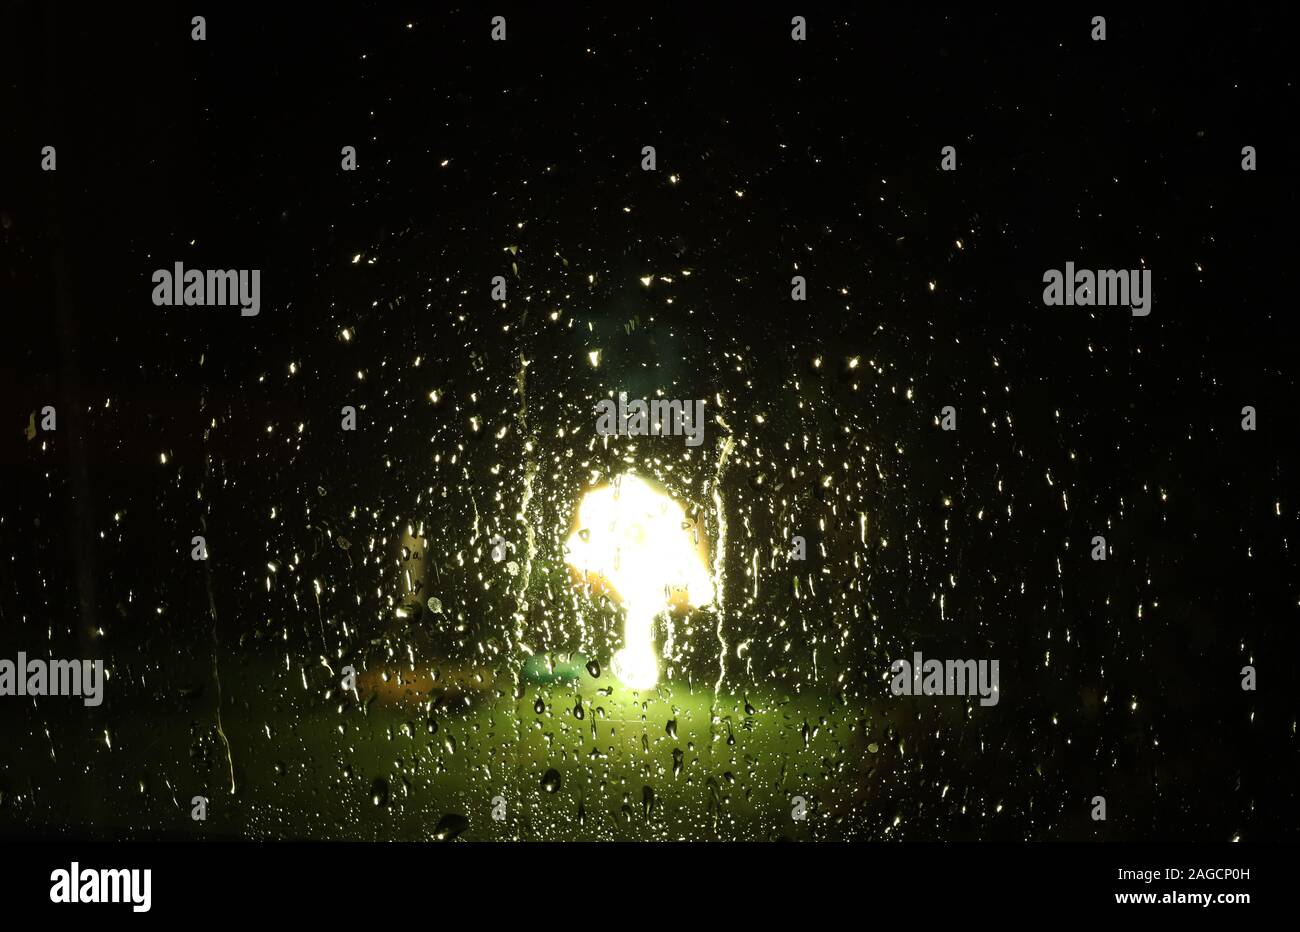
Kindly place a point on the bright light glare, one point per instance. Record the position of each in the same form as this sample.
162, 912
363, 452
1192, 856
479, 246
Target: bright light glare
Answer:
638, 541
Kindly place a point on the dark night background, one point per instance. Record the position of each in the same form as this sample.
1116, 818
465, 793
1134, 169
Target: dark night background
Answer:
1119, 678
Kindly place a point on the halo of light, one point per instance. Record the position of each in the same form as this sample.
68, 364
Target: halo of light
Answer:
636, 541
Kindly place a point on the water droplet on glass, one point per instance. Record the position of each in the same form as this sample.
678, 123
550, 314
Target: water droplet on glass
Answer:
551, 781
449, 826
410, 611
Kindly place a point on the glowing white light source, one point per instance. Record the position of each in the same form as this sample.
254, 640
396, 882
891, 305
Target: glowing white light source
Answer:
638, 542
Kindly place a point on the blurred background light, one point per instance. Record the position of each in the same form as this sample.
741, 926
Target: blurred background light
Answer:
636, 542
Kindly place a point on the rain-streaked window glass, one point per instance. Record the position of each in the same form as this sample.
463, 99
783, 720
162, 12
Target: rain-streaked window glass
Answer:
642, 428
